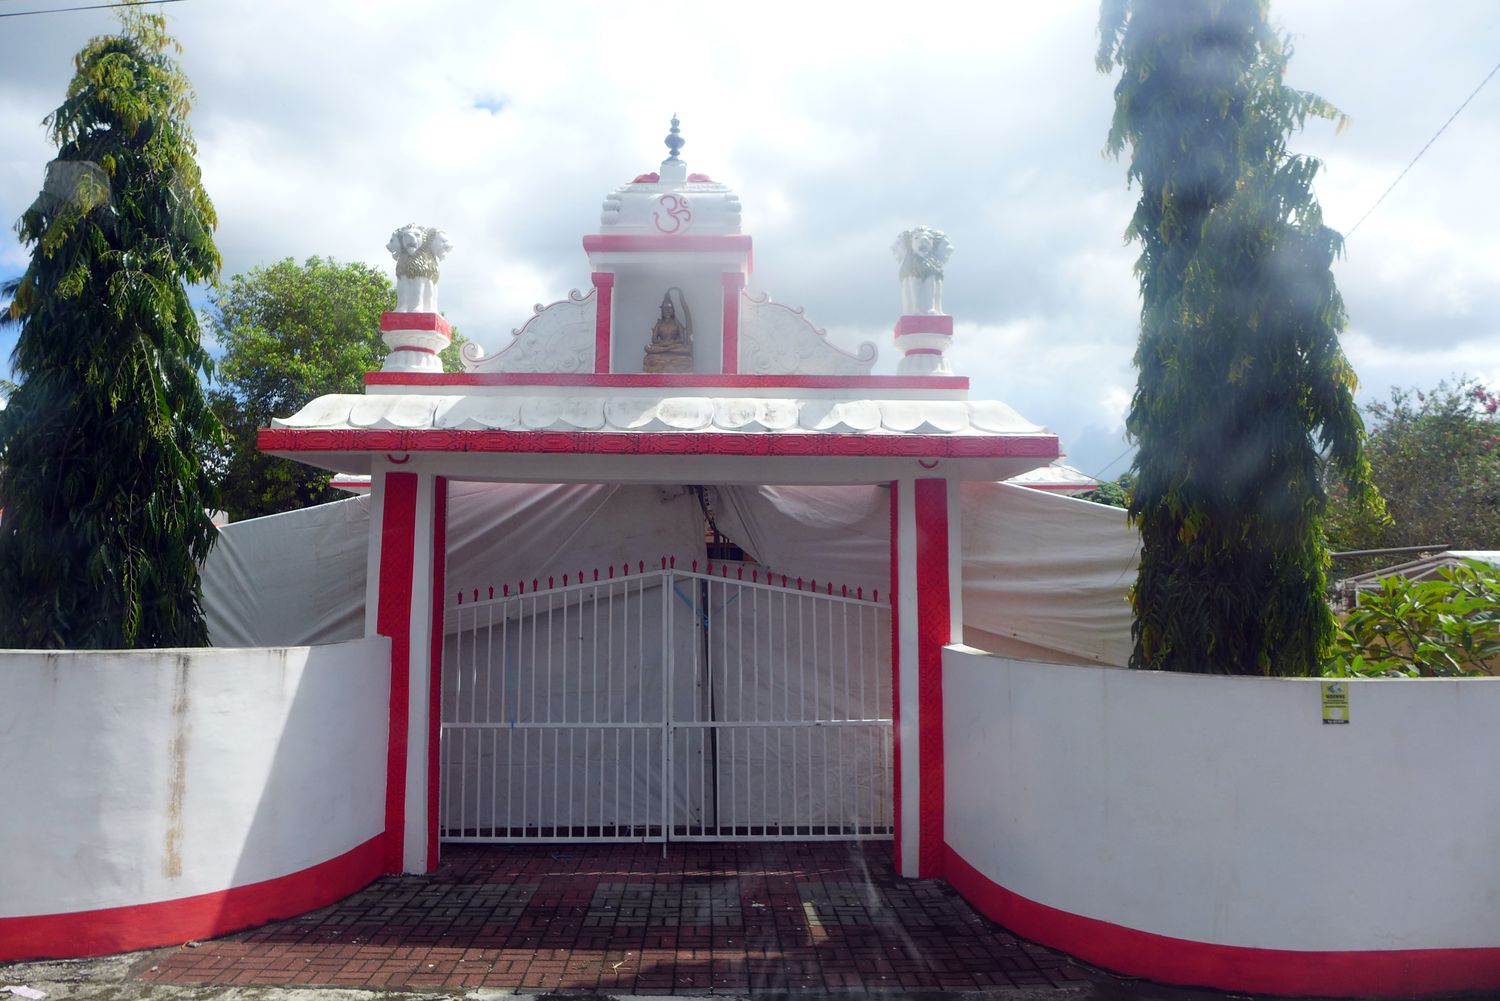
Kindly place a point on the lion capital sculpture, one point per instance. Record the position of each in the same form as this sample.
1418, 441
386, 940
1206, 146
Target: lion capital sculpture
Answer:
417, 250
922, 252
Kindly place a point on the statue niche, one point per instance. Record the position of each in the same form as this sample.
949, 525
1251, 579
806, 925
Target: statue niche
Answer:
671, 347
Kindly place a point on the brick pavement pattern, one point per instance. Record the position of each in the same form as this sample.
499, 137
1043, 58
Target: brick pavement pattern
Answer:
623, 919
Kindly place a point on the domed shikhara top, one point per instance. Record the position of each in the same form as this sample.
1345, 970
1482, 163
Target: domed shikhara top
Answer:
763, 397
669, 201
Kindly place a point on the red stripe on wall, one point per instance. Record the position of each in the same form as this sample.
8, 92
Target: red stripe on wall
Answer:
171, 922
779, 443
398, 535
934, 629
1373, 974
734, 284
635, 243
896, 671
604, 281
639, 380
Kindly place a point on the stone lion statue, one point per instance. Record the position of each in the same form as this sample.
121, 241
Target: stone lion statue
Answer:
922, 252
417, 250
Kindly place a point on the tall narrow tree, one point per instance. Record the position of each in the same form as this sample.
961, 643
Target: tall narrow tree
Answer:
292, 332
1242, 382
101, 444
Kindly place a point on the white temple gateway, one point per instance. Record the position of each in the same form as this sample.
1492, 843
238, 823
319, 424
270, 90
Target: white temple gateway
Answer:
669, 566
667, 372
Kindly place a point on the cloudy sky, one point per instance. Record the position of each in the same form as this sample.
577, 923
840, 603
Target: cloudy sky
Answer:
323, 125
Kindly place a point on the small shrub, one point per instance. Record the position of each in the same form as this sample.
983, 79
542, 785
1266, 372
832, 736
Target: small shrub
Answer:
1447, 627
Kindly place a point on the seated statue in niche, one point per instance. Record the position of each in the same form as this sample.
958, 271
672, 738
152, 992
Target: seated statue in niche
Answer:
671, 347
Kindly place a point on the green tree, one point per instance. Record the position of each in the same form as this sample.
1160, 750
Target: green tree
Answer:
1242, 384
1435, 455
1113, 493
102, 479
291, 333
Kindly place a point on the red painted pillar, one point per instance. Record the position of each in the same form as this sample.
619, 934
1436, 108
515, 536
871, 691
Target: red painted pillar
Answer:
409, 610
924, 620
734, 284
604, 281
435, 664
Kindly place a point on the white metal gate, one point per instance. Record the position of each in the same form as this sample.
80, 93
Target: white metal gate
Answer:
667, 705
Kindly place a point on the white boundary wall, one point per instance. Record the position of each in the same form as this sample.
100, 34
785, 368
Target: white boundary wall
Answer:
1222, 810
144, 776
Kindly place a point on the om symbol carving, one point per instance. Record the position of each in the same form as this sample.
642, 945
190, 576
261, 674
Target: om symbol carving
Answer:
678, 215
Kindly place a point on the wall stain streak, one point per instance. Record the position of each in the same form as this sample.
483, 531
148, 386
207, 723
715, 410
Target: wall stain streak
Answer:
177, 770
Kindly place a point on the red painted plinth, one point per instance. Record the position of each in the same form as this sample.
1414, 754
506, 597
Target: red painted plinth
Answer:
204, 915
416, 321
1395, 973
924, 323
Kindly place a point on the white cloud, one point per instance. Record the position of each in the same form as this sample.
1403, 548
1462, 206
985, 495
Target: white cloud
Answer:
323, 126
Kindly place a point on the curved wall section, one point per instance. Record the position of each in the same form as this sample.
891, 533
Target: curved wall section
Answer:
1214, 831
158, 796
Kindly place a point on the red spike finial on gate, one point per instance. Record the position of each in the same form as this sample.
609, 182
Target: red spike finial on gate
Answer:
505, 590
799, 583
663, 562
580, 576
550, 585
476, 594
565, 580
740, 573
814, 586
460, 597
596, 573
672, 561
611, 571
695, 566
625, 569
709, 569
875, 596
640, 566
859, 592
754, 576
723, 569
843, 590
534, 584
783, 580
492, 592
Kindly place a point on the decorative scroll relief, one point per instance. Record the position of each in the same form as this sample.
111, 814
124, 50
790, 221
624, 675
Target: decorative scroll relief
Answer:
778, 340
559, 338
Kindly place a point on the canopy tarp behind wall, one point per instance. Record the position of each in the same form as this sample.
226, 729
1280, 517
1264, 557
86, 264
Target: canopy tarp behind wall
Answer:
299, 577
1044, 576
291, 579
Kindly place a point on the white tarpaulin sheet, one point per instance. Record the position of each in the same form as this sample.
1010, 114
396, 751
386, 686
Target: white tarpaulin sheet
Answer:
299, 578
556, 704
1043, 575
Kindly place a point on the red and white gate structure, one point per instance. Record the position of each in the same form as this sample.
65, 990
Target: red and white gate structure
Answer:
667, 705
667, 371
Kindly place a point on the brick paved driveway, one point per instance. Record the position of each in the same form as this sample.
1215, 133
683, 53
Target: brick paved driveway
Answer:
625, 920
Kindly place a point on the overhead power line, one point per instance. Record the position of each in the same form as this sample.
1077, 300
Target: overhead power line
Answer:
1099, 477
96, 6
1424, 149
